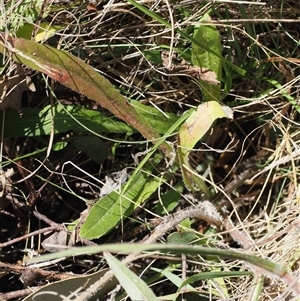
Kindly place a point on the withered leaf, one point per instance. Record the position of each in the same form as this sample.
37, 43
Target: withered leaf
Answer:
57, 241
185, 68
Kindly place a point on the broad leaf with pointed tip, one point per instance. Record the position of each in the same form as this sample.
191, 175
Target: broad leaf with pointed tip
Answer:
111, 209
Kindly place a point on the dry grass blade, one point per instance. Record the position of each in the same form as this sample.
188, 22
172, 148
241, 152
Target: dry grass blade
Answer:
144, 49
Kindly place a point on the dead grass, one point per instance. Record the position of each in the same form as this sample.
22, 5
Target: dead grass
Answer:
125, 45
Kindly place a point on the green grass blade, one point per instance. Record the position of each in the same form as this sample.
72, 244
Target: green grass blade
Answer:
266, 265
134, 286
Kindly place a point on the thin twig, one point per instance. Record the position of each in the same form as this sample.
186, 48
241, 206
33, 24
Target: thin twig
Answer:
37, 232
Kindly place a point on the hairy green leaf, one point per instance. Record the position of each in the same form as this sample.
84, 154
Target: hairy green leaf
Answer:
114, 207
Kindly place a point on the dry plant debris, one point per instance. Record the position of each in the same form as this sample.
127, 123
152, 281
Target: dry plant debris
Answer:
250, 162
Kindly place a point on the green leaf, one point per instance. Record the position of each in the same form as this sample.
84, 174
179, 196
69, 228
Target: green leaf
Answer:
279, 270
172, 277
59, 145
134, 286
45, 31
191, 132
37, 122
153, 56
161, 122
82, 78
114, 207
182, 238
161, 20
169, 200
213, 275
207, 59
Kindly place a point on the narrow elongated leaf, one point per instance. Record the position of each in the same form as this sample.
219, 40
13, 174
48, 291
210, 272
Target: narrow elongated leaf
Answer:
112, 208
37, 122
213, 275
80, 77
279, 270
208, 58
135, 287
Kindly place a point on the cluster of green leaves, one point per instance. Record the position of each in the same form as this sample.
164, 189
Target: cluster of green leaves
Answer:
80, 77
